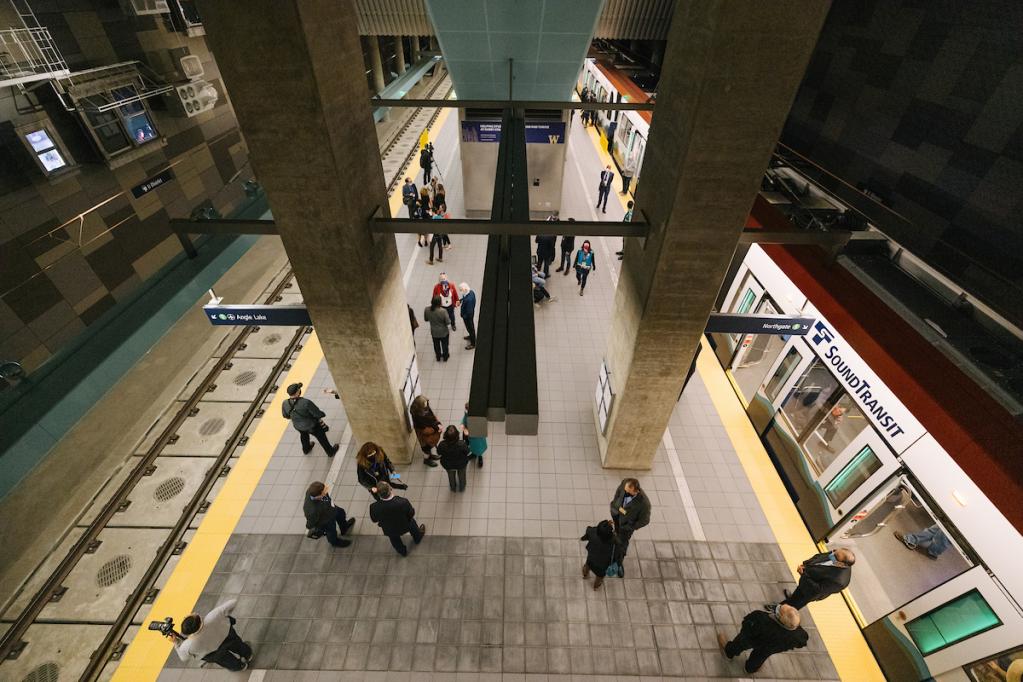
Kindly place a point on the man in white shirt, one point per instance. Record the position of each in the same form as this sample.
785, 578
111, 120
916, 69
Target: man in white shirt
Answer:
213, 639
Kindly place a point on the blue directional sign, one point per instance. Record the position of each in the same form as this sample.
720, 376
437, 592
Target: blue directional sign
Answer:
264, 315
729, 323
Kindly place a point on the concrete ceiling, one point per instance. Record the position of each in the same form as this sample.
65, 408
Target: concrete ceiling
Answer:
546, 39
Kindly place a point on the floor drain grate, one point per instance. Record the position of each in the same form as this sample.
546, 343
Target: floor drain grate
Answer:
169, 489
245, 378
211, 426
47, 672
113, 570
272, 339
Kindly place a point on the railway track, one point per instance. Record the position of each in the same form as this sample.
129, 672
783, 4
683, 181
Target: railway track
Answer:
95, 587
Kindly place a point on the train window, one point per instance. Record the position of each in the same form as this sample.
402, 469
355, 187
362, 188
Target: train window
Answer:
852, 476
782, 373
997, 668
757, 354
959, 619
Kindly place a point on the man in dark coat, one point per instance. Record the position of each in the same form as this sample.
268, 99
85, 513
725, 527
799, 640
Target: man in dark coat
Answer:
468, 312
395, 516
323, 517
545, 247
307, 419
630, 511
765, 633
409, 196
821, 576
567, 247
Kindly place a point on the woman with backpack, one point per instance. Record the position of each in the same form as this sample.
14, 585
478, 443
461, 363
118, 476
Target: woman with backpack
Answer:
600, 551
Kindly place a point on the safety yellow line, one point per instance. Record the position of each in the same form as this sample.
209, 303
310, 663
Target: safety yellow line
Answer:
148, 651
842, 636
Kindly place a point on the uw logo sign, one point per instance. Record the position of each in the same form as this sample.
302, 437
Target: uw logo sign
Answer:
822, 333
552, 139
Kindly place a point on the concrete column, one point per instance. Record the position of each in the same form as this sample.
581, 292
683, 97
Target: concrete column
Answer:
415, 49
375, 65
301, 103
730, 73
399, 51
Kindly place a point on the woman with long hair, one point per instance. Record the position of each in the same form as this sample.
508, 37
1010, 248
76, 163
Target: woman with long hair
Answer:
372, 466
427, 428
584, 265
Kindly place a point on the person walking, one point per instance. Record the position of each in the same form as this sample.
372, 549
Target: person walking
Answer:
323, 517
627, 218
448, 295
409, 193
820, 576
439, 321
567, 245
373, 466
630, 511
454, 457
477, 444
427, 428
395, 516
932, 539
585, 263
600, 551
307, 419
604, 188
467, 310
213, 639
627, 172
438, 237
545, 244
766, 634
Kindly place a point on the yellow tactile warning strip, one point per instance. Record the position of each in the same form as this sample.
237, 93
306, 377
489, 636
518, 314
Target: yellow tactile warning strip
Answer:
145, 656
842, 636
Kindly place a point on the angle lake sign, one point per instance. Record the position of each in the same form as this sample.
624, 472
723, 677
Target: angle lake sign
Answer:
265, 315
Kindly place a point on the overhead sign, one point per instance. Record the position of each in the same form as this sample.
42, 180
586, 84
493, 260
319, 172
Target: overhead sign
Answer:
732, 323
898, 426
542, 132
481, 131
264, 315
141, 189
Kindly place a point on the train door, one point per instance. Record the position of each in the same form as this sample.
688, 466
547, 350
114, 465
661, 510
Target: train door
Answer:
786, 369
746, 296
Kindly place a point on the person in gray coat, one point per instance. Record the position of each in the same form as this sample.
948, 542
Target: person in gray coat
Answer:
630, 511
439, 323
307, 419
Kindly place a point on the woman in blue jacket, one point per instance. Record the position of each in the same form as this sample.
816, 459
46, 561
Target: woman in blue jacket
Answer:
584, 264
477, 444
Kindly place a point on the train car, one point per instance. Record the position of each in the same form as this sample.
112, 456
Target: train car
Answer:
626, 130
885, 445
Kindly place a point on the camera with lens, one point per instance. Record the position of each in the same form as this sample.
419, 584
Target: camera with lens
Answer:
166, 628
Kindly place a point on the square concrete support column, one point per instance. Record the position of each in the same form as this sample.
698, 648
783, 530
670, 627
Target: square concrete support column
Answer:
731, 70
399, 52
295, 75
376, 65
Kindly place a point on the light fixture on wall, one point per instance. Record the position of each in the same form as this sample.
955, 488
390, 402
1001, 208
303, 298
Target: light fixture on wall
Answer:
959, 497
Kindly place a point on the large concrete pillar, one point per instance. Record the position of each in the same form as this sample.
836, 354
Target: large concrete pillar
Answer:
399, 53
415, 49
730, 73
295, 73
375, 64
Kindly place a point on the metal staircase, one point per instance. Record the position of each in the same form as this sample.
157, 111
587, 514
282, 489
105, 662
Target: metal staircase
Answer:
28, 54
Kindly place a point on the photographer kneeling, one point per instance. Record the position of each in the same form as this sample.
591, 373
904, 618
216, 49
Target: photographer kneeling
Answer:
213, 639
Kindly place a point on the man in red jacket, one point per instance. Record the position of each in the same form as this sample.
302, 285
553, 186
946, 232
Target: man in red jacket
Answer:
448, 295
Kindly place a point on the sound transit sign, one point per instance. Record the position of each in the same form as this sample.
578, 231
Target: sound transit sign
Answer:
730, 323
263, 315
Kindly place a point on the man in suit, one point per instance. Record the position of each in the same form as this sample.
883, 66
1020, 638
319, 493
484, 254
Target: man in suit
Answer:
766, 634
468, 310
307, 419
409, 196
395, 516
630, 511
322, 517
606, 176
820, 576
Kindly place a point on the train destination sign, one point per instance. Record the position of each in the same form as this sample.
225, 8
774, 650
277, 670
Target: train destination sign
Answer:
731, 323
264, 315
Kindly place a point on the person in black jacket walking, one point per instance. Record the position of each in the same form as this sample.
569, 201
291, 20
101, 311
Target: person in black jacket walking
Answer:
820, 576
765, 633
600, 551
322, 516
567, 245
395, 516
372, 466
630, 510
454, 457
307, 419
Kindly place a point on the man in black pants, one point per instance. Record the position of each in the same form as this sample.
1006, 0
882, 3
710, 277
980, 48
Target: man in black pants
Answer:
213, 639
567, 247
395, 516
765, 633
630, 511
820, 576
323, 517
307, 419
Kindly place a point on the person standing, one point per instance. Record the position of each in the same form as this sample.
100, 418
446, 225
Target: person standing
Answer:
439, 321
412, 321
600, 551
395, 516
545, 244
213, 639
585, 263
627, 172
606, 176
323, 517
820, 576
627, 218
440, 198
454, 457
630, 511
477, 444
468, 311
373, 466
422, 213
427, 428
438, 237
426, 162
307, 419
567, 246
448, 295
766, 634
408, 197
